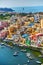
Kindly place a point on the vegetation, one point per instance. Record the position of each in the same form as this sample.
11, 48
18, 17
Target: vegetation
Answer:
5, 16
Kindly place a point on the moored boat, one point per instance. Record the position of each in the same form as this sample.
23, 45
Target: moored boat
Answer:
27, 54
38, 62
30, 57
15, 54
23, 50
40, 56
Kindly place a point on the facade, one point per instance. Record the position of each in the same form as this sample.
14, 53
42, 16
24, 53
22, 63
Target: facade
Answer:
41, 23
36, 18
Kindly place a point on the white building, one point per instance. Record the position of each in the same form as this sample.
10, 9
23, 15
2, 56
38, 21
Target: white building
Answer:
36, 17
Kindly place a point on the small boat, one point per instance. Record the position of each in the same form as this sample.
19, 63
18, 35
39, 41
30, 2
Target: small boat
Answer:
28, 61
20, 45
15, 54
23, 50
38, 62
30, 57
2, 43
40, 56
27, 54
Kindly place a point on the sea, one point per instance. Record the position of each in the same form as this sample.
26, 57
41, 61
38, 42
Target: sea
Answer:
7, 58
29, 9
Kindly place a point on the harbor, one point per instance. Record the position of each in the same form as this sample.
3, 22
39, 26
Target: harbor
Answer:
7, 57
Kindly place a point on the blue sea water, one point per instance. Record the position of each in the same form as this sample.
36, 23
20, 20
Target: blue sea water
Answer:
7, 58
32, 9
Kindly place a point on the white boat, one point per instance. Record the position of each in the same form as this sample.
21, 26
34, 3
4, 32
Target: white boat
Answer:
15, 54
40, 56
38, 62
2, 43
28, 61
20, 45
23, 50
30, 57
27, 54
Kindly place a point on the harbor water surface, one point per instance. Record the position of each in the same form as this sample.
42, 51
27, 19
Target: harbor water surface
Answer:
7, 58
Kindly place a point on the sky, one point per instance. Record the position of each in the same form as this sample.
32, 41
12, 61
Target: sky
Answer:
20, 3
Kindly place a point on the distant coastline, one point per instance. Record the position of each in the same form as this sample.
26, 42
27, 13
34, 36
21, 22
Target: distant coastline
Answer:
29, 9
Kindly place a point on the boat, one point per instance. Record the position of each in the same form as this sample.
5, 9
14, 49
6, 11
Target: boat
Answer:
40, 56
30, 57
38, 62
20, 45
28, 61
2, 43
15, 54
23, 50
27, 54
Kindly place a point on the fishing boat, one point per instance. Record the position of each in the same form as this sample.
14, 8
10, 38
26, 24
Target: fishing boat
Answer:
38, 62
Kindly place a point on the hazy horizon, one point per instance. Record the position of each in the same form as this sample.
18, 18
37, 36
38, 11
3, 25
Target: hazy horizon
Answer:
21, 6
20, 3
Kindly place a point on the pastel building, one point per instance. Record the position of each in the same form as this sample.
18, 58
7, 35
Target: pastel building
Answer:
36, 17
41, 23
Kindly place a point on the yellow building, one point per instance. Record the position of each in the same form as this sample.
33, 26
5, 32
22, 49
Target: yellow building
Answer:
41, 23
31, 19
26, 23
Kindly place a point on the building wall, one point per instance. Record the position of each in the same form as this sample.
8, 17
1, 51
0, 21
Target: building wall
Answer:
41, 23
